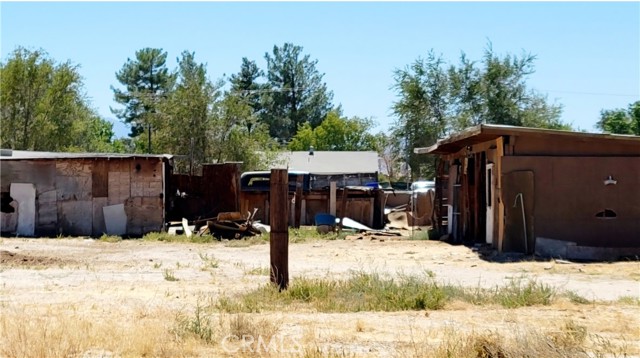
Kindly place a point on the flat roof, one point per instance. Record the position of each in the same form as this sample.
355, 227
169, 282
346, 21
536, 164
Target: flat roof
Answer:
329, 162
486, 132
9, 154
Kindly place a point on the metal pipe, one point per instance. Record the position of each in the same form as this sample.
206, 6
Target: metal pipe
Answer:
524, 221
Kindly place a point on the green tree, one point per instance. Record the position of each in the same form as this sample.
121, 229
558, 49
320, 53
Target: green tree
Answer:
392, 160
621, 121
507, 100
232, 139
434, 102
296, 92
184, 117
245, 86
43, 106
466, 88
147, 81
335, 133
421, 111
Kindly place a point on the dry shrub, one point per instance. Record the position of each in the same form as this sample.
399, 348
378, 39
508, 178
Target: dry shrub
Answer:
569, 340
487, 346
570, 337
243, 325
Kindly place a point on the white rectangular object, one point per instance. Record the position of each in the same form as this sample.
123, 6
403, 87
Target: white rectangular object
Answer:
115, 219
25, 195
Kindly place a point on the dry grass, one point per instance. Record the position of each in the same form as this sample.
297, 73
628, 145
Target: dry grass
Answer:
567, 340
55, 332
259, 271
364, 291
249, 241
203, 332
124, 307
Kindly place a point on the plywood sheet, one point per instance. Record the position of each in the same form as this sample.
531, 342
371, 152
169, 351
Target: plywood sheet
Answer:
100, 179
144, 214
119, 166
25, 195
569, 191
40, 173
518, 193
146, 170
73, 167
75, 217
74, 187
119, 187
9, 221
99, 227
115, 219
47, 213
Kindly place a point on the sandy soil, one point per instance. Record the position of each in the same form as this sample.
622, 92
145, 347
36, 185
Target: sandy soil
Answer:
129, 276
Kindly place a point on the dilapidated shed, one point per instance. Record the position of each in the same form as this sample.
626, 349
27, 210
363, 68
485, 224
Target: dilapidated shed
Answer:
47, 194
556, 193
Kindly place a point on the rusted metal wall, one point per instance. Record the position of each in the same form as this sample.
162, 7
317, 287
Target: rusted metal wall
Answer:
570, 192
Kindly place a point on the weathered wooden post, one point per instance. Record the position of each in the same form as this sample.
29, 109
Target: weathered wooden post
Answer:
279, 236
298, 212
343, 208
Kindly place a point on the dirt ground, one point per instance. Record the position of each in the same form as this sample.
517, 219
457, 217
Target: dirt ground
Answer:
105, 279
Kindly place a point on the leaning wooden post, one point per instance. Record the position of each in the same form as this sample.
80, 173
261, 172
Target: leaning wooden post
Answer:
298, 207
343, 208
279, 236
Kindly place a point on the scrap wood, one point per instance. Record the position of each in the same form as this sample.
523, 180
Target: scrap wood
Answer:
203, 221
230, 225
394, 209
204, 230
230, 216
234, 225
386, 233
185, 227
262, 228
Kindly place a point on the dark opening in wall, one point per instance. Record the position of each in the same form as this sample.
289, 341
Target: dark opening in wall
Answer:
606, 214
5, 200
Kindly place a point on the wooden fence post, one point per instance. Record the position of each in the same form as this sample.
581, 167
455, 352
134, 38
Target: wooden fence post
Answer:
279, 236
298, 207
343, 208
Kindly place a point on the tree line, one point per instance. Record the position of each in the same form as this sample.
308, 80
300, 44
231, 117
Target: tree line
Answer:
256, 112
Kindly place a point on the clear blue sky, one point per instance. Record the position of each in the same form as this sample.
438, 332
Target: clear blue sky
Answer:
588, 54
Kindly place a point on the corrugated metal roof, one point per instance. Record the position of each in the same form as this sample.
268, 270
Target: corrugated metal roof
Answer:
329, 162
485, 132
9, 154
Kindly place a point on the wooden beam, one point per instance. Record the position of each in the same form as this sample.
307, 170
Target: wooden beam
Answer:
332, 198
343, 208
298, 207
498, 176
279, 235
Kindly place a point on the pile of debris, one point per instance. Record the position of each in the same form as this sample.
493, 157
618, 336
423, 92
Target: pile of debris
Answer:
227, 225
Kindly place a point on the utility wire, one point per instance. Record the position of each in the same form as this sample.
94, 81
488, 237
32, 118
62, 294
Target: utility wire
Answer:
593, 93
